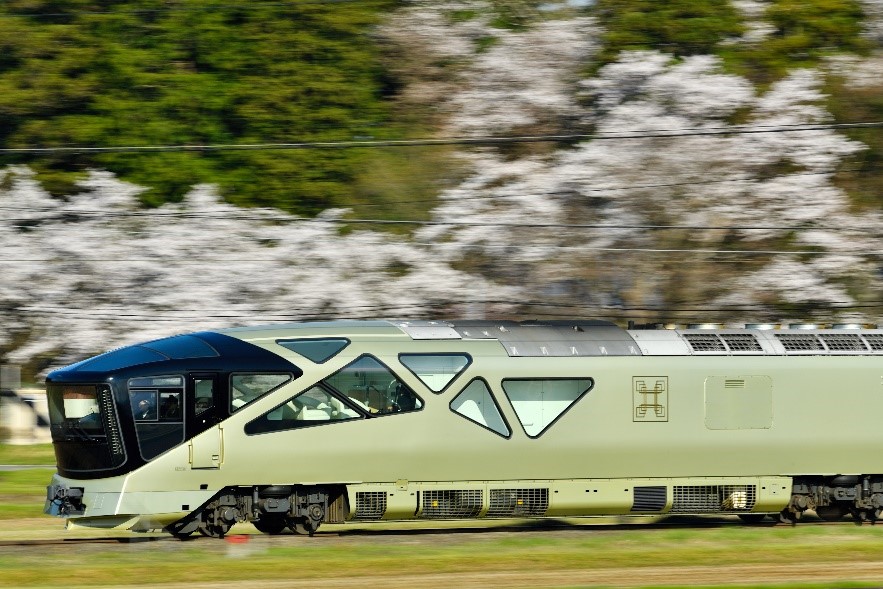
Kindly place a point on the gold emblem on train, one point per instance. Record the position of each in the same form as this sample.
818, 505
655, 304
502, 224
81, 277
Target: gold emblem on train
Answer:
650, 395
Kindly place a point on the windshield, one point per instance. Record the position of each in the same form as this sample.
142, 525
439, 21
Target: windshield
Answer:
84, 427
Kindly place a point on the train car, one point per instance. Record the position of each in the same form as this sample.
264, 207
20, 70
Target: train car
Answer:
290, 426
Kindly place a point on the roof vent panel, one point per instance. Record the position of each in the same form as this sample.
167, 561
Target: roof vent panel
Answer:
875, 341
800, 342
705, 342
844, 342
742, 342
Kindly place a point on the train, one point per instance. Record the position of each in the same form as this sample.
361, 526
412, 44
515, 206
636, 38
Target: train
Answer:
291, 426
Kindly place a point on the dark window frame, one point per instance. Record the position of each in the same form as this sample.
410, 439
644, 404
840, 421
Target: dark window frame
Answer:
340, 396
330, 391
391, 371
557, 417
231, 409
487, 385
451, 382
285, 340
140, 426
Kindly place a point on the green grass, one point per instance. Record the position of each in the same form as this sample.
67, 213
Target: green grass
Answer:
571, 550
27, 454
22, 492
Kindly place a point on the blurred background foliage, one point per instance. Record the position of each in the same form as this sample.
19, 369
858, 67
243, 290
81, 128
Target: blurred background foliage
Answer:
679, 27
799, 34
120, 73
196, 72
127, 73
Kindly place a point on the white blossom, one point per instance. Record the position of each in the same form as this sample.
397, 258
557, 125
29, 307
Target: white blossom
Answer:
577, 225
97, 271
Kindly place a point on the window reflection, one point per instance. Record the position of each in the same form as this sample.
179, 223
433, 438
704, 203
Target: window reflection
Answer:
312, 407
374, 388
539, 402
364, 388
245, 388
477, 404
436, 371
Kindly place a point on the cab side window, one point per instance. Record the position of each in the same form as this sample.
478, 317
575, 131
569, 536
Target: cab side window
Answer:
205, 397
158, 409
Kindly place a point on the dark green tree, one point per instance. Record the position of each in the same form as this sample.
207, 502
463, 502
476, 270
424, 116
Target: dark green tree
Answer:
805, 31
679, 27
116, 73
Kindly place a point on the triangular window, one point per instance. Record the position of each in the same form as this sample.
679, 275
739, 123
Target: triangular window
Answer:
539, 403
477, 404
436, 371
317, 350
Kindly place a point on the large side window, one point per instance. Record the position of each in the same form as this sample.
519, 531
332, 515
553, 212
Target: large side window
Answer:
436, 371
312, 407
374, 388
538, 403
477, 404
363, 388
245, 388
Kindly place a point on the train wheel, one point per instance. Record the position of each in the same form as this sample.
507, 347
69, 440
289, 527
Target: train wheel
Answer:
213, 530
860, 516
303, 526
183, 531
790, 517
270, 524
752, 518
831, 513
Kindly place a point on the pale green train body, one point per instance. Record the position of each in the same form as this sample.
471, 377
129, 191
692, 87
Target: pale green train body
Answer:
672, 421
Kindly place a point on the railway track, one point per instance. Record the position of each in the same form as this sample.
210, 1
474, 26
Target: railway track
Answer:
529, 527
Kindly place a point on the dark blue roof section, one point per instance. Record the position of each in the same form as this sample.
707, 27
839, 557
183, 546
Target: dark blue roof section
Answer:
121, 358
194, 352
180, 347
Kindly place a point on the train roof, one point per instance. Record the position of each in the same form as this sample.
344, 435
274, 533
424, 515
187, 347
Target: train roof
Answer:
563, 338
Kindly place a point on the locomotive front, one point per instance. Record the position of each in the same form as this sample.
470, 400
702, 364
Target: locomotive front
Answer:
112, 414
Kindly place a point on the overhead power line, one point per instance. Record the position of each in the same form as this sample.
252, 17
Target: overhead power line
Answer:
444, 141
424, 308
480, 194
224, 259
455, 223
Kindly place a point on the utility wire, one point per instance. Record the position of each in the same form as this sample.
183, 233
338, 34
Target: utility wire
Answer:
478, 224
445, 141
373, 311
204, 261
581, 191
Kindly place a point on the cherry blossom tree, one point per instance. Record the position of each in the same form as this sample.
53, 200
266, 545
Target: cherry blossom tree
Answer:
671, 206
97, 271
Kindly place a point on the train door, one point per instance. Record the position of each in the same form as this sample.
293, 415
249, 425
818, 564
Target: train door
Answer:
204, 407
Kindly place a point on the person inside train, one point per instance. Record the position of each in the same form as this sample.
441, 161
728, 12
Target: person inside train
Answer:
171, 409
146, 411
